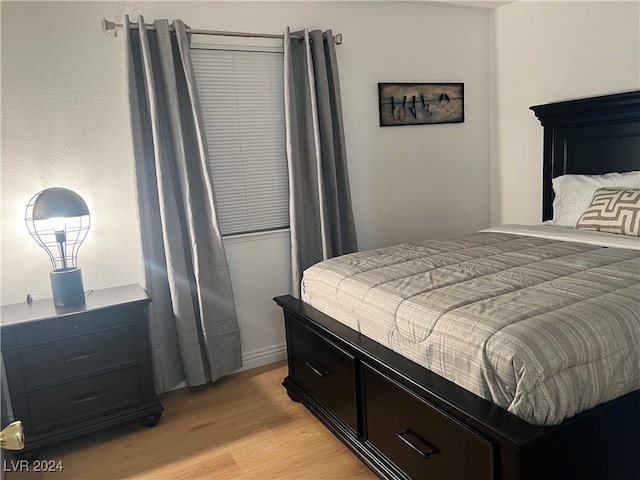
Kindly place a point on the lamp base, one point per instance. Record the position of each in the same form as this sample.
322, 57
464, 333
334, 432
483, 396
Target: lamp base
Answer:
67, 287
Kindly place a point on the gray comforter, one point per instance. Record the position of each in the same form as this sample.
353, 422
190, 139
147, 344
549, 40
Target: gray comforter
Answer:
543, 328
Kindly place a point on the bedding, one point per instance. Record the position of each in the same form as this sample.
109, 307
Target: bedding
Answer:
543, 327
573, 193
553, 232
613, 210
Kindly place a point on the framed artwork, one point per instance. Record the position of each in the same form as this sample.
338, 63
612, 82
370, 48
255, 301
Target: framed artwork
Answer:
420, 103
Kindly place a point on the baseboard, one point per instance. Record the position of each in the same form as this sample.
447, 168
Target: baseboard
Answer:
263, 356
255, 359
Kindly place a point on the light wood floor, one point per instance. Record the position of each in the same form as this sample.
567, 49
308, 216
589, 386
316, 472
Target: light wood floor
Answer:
243, 427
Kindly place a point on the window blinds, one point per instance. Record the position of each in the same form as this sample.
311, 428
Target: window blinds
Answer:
242, 98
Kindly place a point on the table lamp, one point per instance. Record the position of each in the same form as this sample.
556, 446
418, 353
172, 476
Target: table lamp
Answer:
58, 220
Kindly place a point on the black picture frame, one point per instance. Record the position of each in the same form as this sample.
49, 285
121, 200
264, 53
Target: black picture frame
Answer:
420, 103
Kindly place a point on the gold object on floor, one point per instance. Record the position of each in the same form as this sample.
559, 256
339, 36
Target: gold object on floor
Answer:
12, 436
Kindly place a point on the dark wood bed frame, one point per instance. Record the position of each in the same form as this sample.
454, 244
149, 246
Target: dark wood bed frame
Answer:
404, 421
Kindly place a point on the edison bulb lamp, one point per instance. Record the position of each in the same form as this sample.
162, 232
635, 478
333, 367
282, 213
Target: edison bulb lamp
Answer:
58, 220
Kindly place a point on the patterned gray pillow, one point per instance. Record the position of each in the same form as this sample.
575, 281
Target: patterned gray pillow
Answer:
613, 210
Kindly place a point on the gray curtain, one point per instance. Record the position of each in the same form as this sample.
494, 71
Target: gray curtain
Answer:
192, 319
6, 409
321, 216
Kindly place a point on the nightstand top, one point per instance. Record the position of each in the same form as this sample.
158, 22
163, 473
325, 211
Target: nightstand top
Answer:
18, 313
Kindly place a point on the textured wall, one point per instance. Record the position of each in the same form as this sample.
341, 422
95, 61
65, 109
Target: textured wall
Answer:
65, 122
546, 52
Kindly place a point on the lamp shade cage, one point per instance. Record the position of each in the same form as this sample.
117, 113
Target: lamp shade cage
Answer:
58, 220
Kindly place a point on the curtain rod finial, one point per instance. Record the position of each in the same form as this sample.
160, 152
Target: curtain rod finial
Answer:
337, 39
108, 25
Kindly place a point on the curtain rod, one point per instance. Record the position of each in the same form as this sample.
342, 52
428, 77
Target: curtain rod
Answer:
109, 25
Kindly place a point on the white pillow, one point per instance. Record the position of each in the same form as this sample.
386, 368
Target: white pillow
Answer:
573, 193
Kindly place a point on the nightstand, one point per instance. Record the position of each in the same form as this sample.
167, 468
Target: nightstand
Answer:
72, 371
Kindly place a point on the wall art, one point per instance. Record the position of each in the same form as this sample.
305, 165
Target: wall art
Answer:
420, 103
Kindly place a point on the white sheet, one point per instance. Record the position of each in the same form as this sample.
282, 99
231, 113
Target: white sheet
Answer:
554, 232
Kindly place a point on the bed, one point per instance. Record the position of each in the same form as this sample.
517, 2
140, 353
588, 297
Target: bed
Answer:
409, 409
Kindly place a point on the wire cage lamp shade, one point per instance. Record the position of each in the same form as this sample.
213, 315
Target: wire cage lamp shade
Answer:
58, 220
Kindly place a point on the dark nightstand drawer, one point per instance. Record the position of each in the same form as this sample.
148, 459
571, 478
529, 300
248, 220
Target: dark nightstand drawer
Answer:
420, 439
326, 371
76, 401
76, 356
75, 325
8, 340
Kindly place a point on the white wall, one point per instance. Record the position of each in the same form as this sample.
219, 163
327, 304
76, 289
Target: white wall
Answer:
65, 122
547, 51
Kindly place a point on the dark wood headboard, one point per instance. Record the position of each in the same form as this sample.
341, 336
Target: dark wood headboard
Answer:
590, 136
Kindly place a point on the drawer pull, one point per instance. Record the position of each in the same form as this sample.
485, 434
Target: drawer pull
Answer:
87, 398
82, 356
430, 450
317, 369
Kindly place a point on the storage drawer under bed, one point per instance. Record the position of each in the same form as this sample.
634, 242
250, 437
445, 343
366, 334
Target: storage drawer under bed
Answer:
325, 370
420, 439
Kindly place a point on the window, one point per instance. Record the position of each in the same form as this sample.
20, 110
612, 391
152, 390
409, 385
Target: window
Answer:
242, 95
